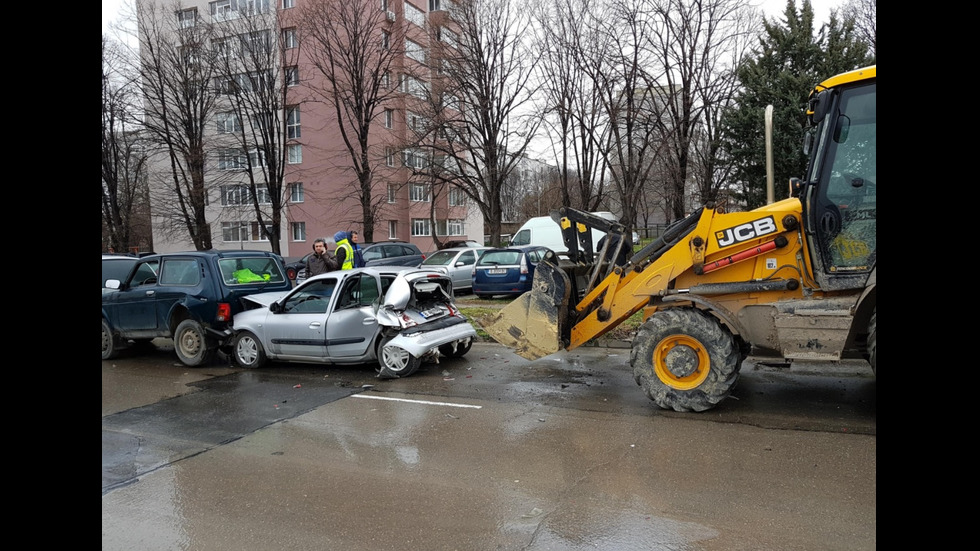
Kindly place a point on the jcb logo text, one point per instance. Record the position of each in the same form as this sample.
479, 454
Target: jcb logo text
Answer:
744, 232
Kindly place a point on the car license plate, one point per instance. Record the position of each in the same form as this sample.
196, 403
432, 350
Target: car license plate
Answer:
431, 312
498, 271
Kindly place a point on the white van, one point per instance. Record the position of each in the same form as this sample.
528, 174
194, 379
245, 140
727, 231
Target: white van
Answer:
542, 230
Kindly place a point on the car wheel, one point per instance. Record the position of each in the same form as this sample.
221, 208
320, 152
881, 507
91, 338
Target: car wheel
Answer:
109, 348
396, 362
247, 351
456, 349
192, 345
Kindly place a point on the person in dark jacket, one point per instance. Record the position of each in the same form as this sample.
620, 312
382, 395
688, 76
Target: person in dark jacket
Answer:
358, 254
320, 262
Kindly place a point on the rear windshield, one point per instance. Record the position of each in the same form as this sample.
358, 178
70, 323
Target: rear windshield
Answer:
242, 271
500, 257
440, 258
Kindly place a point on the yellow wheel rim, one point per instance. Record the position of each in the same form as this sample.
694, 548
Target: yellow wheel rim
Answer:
681, 362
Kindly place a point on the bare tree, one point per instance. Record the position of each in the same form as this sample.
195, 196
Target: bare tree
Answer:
865, 15
573, 108
699, 42
358, 52
175, 74
125, 200
485, 84
254, 120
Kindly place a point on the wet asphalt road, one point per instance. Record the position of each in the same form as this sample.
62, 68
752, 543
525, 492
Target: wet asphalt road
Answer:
486, 452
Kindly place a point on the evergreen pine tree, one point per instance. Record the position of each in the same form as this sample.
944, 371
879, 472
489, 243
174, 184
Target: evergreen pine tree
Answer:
789, 60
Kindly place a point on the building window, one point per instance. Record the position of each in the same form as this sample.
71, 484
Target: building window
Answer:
256, 42
420, 227
435, 5
187, 18
414, 51
294, 154
414, 86
292, 76
296, 194
419, 193
449, 227
286, 4
257, 158
389, 118
416, 122
386, 80
392, 193
234, 231
447, 36
292, 123
385, 40
389, 156
239, 194
298, 229
414, 15
258, 234
456, 197
228, 123
384, 5
289, 38
231, 159
413, 158
392, 229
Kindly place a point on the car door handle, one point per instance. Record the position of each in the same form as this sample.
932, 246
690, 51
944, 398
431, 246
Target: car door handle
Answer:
369, 321
150, 293
314, 325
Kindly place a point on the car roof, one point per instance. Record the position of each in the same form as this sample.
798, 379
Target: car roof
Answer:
460, 249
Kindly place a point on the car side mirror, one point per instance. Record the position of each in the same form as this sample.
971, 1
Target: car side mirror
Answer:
275, 308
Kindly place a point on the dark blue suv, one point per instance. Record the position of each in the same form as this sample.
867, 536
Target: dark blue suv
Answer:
506, 271
190, 297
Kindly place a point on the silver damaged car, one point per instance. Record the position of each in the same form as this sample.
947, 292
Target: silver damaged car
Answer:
396, 316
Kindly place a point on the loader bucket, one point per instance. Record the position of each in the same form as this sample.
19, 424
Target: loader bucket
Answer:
534, 324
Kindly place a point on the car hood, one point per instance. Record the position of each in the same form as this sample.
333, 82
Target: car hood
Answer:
265, 299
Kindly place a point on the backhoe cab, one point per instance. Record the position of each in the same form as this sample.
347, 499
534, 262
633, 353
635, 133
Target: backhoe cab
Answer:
794, 279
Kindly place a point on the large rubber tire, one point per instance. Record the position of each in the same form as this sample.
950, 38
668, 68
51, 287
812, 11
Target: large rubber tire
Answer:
110, 348
458, 351
396, 362
192, 344
685, 360
247, 351
873, 340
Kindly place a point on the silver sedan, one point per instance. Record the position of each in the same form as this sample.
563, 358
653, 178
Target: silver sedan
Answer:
395, 316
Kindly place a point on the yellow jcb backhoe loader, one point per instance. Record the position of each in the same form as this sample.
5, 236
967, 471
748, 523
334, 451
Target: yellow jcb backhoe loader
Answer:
794, 279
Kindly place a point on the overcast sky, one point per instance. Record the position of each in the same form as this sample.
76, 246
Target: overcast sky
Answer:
112, 9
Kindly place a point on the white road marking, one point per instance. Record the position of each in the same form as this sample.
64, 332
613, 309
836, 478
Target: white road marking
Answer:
415, 401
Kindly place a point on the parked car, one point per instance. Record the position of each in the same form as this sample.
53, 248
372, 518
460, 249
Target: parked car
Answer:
457, 263
391, 253
294, 268
457, 243
506, 271
116, 266
395, 316
190, 297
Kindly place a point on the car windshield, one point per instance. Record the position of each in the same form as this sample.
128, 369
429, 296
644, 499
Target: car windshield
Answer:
500, 257
440, 258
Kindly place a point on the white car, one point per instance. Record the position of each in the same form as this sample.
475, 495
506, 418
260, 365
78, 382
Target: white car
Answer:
394, 315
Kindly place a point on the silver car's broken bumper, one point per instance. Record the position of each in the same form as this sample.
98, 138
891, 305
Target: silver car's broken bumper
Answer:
418, 343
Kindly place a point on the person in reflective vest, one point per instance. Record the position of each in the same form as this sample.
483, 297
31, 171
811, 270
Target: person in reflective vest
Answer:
344, 252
